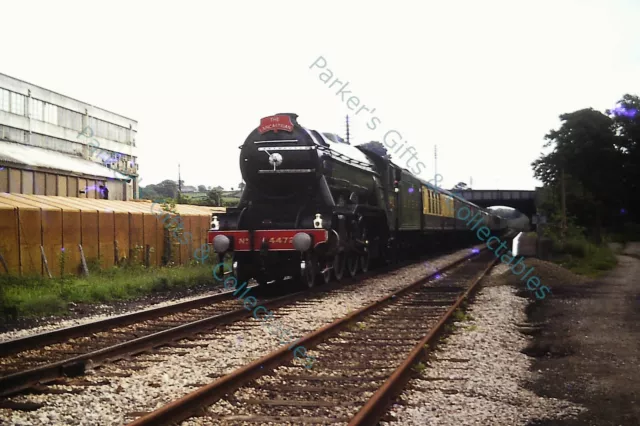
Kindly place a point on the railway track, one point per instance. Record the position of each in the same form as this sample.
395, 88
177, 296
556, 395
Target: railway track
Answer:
67, 352
363, 361
28, 363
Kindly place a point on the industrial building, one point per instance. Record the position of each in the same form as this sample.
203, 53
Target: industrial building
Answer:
51, 144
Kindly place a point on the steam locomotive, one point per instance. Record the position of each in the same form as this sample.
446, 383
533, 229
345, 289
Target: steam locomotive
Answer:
315, 207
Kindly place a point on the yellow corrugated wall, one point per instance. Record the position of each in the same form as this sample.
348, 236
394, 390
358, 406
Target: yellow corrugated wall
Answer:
52, 238
71, 237
121, 221
106, 236
150, 237
197, 233
136, 236
51, 229
29, 221
9, 246
90, 241
29, 227
29, 233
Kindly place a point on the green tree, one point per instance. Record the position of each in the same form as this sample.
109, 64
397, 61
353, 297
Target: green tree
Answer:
626, 121
149, 193
167, 188
215, 197
172, 222
587, 150
202, 188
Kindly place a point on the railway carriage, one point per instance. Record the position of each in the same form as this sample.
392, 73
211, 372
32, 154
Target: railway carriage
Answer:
316, 208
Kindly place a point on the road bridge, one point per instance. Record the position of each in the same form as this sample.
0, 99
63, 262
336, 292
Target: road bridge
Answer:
523, 201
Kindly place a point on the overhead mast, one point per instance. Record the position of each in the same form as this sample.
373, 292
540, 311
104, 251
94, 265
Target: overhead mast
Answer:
348, 129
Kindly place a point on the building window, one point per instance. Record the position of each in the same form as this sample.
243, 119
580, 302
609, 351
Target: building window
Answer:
69, 119
4, 100
17, 103
36, 109
106, 130
51, 114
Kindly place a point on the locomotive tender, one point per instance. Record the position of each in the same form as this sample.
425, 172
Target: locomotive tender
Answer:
315, 206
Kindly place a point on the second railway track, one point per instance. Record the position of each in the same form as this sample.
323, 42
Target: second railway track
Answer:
67, 352
363, 360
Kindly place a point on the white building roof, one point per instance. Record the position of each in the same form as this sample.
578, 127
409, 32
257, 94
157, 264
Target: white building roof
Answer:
44, 158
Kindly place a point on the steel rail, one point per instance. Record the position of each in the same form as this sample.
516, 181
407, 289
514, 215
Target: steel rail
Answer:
192, 403
9, 347
375, 408
75, 366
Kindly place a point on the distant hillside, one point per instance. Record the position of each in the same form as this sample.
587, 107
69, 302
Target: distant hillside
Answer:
194, 195
229, 198
232, 194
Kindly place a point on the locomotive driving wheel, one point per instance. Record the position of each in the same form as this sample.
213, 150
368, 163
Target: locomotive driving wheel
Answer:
325, 269
352, 264
309, 271
365, 258
338, 265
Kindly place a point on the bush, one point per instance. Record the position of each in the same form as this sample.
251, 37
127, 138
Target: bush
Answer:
580, 255
576, 246
586, 258
94, 264
597, 260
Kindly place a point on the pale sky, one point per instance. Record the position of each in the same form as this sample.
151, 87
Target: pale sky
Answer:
482, 80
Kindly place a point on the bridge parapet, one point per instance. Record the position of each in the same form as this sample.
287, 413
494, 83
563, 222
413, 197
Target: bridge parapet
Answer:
495, 195
523, 201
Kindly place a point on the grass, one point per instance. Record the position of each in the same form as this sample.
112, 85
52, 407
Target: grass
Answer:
357, 326
449, 328
419, 367
583, 257
460, 315
38, 296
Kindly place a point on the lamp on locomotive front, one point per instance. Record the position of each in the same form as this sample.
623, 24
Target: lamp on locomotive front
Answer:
221, 244
275, 159
301, 241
